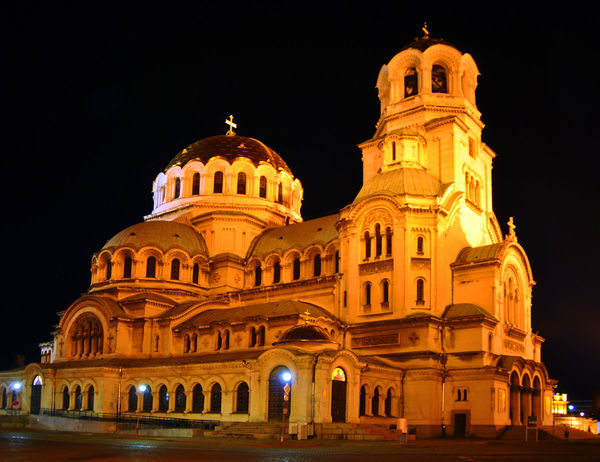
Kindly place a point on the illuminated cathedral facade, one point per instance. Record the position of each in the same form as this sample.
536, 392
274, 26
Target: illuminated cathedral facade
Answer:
409, 303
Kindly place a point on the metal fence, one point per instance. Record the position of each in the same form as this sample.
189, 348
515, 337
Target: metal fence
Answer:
133, 420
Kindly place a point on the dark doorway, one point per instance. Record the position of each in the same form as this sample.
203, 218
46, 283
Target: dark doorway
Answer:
460, 425
338, 395
276, 384
36, 395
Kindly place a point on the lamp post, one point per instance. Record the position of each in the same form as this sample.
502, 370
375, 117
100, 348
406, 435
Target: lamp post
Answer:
287, 377
142, 389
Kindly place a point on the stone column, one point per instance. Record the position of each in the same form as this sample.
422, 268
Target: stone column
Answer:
140, 401
155, 401
172, 401
189, 400
515, 405
526, 403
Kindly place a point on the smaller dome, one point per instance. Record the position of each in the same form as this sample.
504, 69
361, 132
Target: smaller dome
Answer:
423, 43
229, 147
307, 333
165, 235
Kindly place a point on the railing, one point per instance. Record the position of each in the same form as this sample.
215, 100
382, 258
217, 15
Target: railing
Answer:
133, 420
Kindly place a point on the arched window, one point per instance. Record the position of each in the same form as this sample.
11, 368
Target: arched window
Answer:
367, 294
411, 82
317, 265
177, 188
393, 150
196, 184
367, 245
132, 401
439, 82
276, 272
490, 342
108, 269
90, 398
194, 345
261, 336
175, 269
195, 273
197, 398
262, 187
148, 400
242, 398
420, 245
388, 241
296, 269
253, 337
336, 263
388, 403
280, 193
215, 399
226, 340
163, 399
186, 344
378, 241
385, 291
375, 402
362, 401
151, 267
127, 263
66, 398
241, 183
257, 275
78, 399
420, 291
219, 340
180, 399
218, 183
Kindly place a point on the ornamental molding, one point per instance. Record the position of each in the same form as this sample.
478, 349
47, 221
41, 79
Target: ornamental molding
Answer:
376, 266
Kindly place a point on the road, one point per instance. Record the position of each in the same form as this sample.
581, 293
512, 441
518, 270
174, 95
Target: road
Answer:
54, 446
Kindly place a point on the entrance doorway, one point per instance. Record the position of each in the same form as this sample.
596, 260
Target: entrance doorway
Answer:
277, 381
460, 425
338, 395
36, 395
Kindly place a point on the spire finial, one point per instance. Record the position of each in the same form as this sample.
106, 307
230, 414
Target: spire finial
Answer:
511, 229
232, 125
425, 31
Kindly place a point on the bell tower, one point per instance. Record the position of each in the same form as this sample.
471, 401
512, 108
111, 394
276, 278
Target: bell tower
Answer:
429, 119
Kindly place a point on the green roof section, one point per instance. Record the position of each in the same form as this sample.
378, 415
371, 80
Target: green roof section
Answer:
263, 310
465, 310
400, 181
319, 231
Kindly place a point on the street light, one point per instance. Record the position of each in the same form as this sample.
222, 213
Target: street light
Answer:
286, 377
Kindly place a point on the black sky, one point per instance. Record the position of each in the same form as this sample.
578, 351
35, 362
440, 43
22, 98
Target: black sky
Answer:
98, 97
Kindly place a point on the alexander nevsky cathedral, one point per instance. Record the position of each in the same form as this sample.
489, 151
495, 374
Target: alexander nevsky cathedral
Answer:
409, 303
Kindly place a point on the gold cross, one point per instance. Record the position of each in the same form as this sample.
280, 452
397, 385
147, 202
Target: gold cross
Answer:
229, 122
425, 31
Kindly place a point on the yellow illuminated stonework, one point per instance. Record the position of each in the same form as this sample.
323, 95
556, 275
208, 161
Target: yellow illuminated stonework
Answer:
410, 302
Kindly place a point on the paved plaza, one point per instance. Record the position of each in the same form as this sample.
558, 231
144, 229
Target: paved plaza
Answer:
57, 446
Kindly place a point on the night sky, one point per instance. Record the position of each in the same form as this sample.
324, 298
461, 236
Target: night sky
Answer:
99, 97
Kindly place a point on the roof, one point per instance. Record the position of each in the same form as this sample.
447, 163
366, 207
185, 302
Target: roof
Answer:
484, 253
263, 310
165, 235
230, 147
423, 43
400, 181
300, 235
306, 332
464, 310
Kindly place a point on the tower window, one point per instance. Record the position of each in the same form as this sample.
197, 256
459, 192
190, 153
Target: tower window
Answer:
393, 150
218, 183
420, 245
367, 245
420, 291
280, 193
296, 269
378, 240
336, 263
367, 294
276, 272
151, 267
388, 240
108, 269
411, 82
241, 183
262, 187
385, 291
439, 82
175, 269
196, 184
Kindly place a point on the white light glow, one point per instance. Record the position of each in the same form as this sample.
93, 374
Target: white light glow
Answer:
286, 376
142, 388
15, 386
